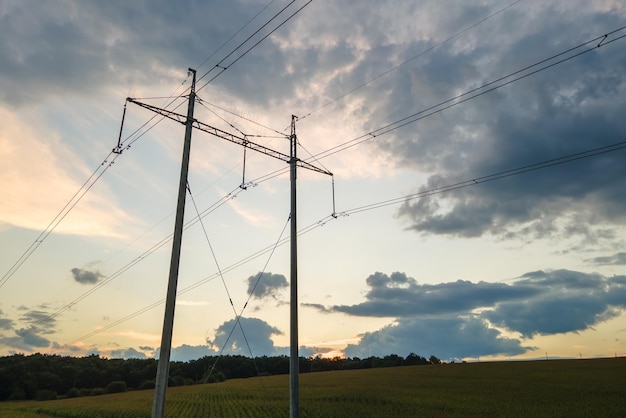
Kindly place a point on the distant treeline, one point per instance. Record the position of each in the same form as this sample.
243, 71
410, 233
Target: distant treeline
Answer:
44, 377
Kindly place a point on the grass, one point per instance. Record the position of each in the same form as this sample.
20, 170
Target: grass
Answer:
556, 388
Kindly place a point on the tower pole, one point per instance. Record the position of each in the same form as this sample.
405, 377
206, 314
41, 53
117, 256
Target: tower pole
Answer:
163, 367
294, 359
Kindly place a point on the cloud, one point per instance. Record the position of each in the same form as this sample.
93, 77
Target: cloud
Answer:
568, 302
258, 333
446, 338
263, 285
102, 45
554, 113
618, 259
127, 353
31, 338
39, 318
398, 295
25, 339
229, 340
317, 306
85, 276
537, 303
27, 333
5, 323
36, 181
187, 352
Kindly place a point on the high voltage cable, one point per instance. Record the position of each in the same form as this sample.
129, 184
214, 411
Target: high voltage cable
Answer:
233, 35
255, 45
71, 203
219, 64
77, 197
219, 270
434, 109
281, 135
451, 102
269, 249
456, 100
380, 131
180, 104
139, 135
201, 102
422, 114
238, 316
410, 59
124, 145
491, 177
377, 205
127, 145
136, 260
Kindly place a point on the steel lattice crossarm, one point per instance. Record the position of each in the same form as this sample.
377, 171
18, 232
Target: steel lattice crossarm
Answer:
244, 142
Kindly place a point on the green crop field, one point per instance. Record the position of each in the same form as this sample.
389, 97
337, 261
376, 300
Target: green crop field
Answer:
556, 388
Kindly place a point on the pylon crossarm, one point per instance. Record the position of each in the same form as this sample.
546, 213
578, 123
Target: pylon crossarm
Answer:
236, 139
177, 117
240, 140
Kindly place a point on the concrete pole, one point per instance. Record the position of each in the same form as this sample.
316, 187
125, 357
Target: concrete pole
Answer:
294, 359
163, 368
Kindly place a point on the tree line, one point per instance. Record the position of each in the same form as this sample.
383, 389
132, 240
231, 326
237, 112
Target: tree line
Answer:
45, 376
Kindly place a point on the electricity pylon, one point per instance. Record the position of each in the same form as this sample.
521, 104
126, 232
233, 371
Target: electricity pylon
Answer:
158, 406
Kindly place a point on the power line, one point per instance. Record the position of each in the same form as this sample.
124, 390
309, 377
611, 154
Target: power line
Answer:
377, 205
71, 203
280, 134
438, 44
458, 99
488, 178
219, 64
408, 119
123, 145
420, 115
472, 94
219, 270
233, 36
240, 314
136, 260
224, 68
451, 102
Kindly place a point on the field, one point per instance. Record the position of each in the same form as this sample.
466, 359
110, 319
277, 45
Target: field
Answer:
555, 388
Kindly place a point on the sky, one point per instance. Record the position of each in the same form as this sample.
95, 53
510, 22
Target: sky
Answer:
474, 212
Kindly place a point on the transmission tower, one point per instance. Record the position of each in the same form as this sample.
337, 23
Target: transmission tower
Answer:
158, 406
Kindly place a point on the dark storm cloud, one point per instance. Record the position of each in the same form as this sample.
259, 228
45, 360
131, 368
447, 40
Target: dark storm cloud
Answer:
82, 47
398, 295
565, 110
569, 301
264, 285
618, 259
538, 303
446, 338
